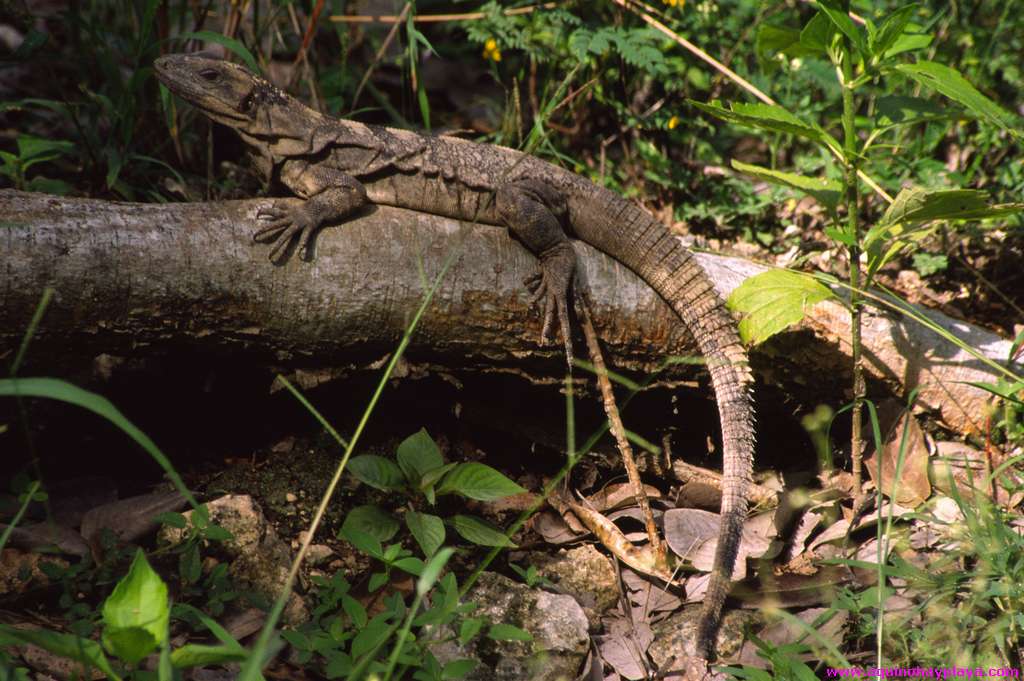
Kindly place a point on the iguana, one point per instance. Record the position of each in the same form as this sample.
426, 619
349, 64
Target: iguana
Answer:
338, 166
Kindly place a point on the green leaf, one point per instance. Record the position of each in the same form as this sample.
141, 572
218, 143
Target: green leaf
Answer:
417, 455
428, 530
410, 564
1007, 391
767, 117
917, 204
373, 520
507, 632
432, 570
928, 264
32, 150
902, 109
230, 43
431, 477
366, 543
773, 300
478, 481
816, 36
949, 82
479, 531
890, 30
355, 610
81, 650
772, 40
373, 634
376, 471
469, 628
197, 655
908, 42
458, 668
842, 21
171, 519
137, 613
825, 191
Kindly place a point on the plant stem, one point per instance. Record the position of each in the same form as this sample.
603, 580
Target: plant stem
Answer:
853, 228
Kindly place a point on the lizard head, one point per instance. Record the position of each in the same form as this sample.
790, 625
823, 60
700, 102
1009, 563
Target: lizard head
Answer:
234, 96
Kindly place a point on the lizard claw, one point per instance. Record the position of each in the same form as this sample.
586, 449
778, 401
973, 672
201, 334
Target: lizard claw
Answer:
283, 226
550, 289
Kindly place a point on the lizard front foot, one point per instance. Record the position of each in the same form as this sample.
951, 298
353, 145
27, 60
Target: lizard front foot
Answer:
550, 289
284, 224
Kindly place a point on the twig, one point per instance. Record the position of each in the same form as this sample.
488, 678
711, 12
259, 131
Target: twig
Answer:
380, 54
432, 18
619, 432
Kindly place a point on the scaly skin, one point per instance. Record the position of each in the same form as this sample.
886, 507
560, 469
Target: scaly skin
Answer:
337, 166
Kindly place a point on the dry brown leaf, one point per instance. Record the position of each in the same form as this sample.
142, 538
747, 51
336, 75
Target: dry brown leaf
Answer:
911, 488
621, 494
693, 535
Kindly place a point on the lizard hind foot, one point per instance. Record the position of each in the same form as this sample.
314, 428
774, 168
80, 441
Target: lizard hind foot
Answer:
550, 290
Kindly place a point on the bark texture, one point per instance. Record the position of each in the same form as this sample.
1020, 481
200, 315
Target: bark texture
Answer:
138, 278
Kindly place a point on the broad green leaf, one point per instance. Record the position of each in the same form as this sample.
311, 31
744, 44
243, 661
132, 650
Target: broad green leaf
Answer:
373, 520
458, 668
198, 655
431, 477
417, 455
773, 300
355, 610
842, 21
478, 481
376, 471
816, 36
507, 632
767, 117
428, 530
890, 30
411, 564
772, 40
432, 571
908, 42
366, 543
825, 191
81, 650
230, 43
373, 634
479, 531
918, 204
902, 109
949, 82
469, 628
840, 235
136, 614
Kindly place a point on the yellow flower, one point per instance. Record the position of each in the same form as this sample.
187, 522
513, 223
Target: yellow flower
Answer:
491, 50
675, 3
673, 122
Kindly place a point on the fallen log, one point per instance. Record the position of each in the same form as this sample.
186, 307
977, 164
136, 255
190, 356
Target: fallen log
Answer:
136, 278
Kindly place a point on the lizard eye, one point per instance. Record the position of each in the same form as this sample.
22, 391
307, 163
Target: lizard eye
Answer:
210, 75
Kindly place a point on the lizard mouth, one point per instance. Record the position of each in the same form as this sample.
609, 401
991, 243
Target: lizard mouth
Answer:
201, 82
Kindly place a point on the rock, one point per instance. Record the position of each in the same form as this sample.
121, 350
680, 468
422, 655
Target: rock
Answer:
584, 573
674, 636
556, 621
257, 556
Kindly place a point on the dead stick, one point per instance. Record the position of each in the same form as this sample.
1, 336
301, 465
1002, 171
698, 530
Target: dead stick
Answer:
619, 432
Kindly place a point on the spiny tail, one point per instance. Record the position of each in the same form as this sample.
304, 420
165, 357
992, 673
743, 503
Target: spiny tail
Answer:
648, 248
